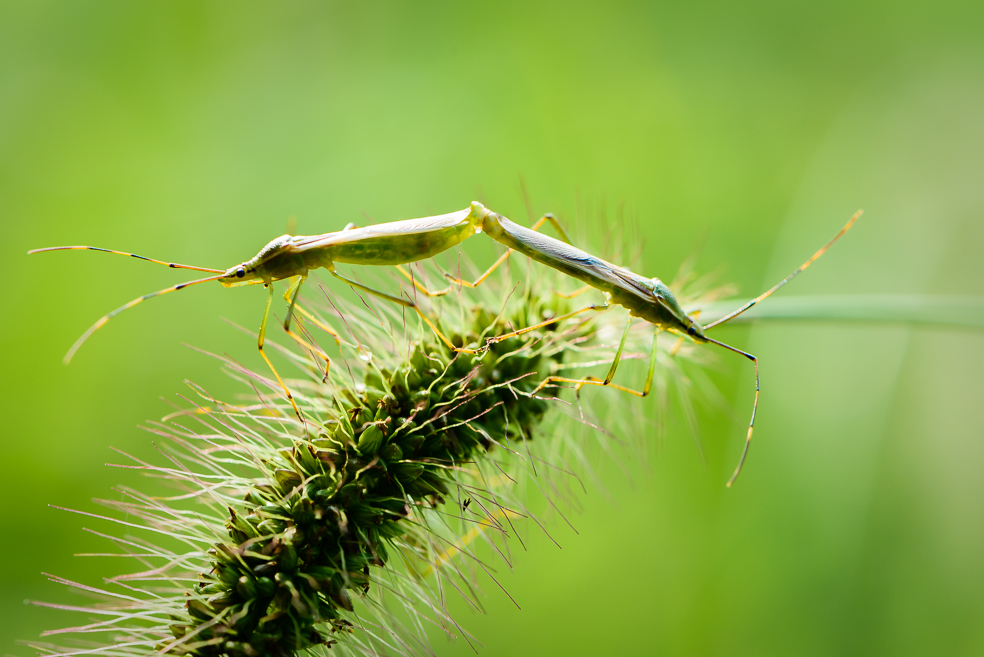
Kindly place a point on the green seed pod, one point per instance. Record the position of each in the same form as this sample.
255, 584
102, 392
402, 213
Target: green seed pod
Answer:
271, 526
288, 479
407, 472
371, 440
392, 453
288, 558
246, 587
265, 587
359, 483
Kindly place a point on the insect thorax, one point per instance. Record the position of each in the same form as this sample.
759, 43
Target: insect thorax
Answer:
663, 311
270, 249
276, 260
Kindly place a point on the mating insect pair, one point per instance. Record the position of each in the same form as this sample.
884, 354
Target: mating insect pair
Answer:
402, 242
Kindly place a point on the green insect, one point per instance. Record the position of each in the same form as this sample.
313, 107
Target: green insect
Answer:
390, 244
646, 298
402, 242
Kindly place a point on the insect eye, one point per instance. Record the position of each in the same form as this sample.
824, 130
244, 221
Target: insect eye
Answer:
691, 331
240, 272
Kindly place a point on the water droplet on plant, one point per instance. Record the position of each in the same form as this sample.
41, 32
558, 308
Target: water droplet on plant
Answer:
363, 353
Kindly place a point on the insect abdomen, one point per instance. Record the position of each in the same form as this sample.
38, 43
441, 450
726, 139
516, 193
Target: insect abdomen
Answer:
400, 249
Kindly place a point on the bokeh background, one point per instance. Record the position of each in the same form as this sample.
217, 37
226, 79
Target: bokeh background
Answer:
193, 131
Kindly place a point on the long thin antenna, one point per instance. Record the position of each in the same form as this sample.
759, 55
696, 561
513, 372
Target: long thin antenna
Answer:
172, 265
778, 285
102, 320
755, 404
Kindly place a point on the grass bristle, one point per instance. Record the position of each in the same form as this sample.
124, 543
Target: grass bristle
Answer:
346, 534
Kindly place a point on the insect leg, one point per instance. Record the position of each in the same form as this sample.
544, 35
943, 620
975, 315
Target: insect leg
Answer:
751, 424
407, 304
260, 339
556, 224
423, 290
577, 292
291, 297
553, 320
310, 316
607, 381
505, 256
296, 289
480, 279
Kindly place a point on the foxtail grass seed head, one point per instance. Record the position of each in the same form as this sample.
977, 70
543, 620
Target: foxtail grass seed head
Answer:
342, 535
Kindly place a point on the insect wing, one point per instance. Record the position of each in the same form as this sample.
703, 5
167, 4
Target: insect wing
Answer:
604, 274
391, 229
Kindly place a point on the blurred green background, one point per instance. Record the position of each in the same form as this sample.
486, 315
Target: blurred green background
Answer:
192, 131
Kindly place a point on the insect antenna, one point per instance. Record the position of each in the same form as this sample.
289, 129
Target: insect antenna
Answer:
751, 424
172, 265
778, 285
102, 320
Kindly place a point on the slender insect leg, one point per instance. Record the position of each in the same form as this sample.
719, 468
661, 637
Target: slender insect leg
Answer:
420, 287
556, 224
309, 316
407, 304
751, 423
290, 298
618, 354
553, 320
480, 279
607, 381
505, 256
296, 288
577, 292
261, 337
